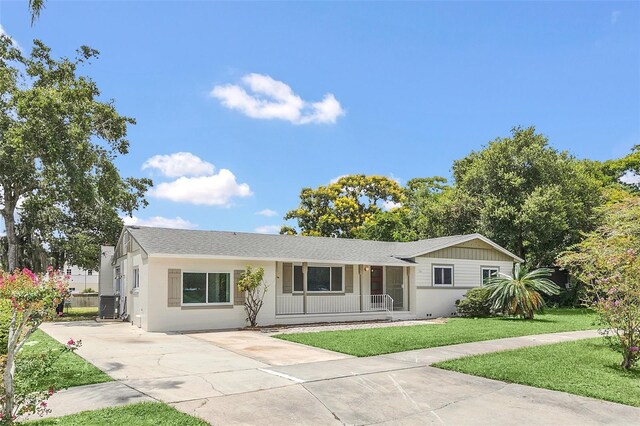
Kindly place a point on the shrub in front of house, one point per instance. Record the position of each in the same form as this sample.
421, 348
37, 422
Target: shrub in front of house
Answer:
476, 303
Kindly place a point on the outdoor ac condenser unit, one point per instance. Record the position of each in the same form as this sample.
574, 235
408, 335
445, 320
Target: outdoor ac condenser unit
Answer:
108, 306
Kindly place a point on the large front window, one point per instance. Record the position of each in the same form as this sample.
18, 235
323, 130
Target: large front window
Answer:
319, 278
202, 287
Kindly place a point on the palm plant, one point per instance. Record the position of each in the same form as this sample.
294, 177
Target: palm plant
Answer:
520, 295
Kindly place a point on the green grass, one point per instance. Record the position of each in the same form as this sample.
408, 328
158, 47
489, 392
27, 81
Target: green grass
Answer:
376, 341
584, 367
78, 314
68, 370
143, 414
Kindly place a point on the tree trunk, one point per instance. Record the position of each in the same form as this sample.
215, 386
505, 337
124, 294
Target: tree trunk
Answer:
8, 213
627, 361
8, 380
10, 369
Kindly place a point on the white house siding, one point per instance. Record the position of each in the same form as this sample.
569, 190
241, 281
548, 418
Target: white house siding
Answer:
160, 317
137, 298
105, 286
437, 301
80, 280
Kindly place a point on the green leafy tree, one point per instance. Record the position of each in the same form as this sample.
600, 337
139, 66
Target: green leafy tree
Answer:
393, 225
527, 196
35, 7
340, 209
607, 261
520, 294
58, 142
252, 285
431, 208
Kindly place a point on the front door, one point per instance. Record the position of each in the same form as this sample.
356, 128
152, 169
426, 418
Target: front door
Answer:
376, 280
395, 287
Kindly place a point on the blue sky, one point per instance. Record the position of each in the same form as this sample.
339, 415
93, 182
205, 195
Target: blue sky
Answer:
398, 89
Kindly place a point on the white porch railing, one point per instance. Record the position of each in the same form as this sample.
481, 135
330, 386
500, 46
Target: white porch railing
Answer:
333, 304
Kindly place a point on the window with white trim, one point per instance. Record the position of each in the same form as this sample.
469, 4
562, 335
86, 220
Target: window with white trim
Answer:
89, 272
68, 271
319, 279
443, 275
488, 272
136, 278
206, 287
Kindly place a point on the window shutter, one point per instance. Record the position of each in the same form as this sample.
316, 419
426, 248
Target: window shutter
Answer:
287, 278
173, 293
348, 279
239, 296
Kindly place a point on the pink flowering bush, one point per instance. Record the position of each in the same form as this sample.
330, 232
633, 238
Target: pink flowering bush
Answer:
31, 299
608, 262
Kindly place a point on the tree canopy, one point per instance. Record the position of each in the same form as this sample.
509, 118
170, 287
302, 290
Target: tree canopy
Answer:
527, 196
59, 186
340, 209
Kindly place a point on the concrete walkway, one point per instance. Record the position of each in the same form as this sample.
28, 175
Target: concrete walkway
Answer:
225, 378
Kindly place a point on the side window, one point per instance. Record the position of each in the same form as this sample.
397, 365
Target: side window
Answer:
136, 278
488, 272
442, 275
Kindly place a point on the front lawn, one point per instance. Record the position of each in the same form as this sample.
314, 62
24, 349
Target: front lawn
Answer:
143, 414
377, 341
584, 367
68, 370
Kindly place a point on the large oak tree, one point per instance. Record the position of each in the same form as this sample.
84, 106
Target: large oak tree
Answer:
58, 143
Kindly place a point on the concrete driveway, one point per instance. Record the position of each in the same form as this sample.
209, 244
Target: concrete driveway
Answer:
247, 377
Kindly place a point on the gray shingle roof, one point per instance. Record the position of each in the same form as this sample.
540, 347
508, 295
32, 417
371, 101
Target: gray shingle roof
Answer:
165, 241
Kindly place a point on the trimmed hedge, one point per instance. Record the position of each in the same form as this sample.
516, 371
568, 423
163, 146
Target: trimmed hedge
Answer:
475, 303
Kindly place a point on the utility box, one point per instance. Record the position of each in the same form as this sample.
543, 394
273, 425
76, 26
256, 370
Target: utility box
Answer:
109, 306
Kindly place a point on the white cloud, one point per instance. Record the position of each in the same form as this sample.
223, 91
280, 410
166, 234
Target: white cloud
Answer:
179, 164
214, 190
267, 212
630, 178
615, 15
272, 99
13, 40
390, 205
160, 222
268, 229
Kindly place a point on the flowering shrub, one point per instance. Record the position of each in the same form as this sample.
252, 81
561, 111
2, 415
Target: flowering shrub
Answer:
32, 299
608, 262
252, 285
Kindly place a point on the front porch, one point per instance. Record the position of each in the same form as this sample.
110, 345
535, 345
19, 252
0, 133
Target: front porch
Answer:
332, 304
341, 290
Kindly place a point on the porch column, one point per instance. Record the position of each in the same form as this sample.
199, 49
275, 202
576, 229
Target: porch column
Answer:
360, 267
304, 287
408, 268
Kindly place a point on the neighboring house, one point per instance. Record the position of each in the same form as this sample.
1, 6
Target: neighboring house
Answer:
176, 280
81, 279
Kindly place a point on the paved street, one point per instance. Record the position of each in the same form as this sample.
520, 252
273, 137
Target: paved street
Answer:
245, 377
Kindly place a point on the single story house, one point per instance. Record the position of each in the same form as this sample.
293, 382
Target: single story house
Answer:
178, 280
